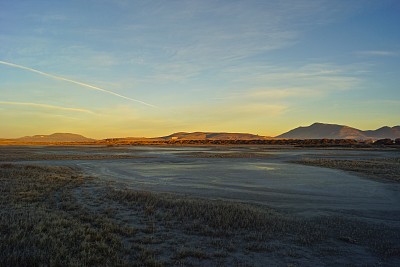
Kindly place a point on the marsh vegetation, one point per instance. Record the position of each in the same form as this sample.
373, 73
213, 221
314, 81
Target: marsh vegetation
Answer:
41, 157
58, 216
378, 168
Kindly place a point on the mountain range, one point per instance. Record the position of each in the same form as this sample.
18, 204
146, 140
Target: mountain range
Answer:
314, 131
334, 131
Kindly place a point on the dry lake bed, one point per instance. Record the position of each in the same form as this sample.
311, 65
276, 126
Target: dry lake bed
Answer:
199, 206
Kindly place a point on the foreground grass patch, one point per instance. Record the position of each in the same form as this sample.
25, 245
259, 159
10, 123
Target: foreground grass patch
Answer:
37, 227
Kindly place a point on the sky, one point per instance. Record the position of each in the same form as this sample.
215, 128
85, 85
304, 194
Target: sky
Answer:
119, 68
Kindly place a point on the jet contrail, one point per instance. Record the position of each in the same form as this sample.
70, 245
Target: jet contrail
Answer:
45, 106
75, 82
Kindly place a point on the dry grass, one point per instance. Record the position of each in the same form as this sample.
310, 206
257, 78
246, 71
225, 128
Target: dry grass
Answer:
236, 228
384, 168
15, 154
56, 216
41, 225
37, 157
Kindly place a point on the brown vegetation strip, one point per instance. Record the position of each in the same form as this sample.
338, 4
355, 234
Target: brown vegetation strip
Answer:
385, 168
55, 216
180, 142
35, 157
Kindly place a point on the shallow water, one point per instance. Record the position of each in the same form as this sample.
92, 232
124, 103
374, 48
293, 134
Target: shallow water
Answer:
270, 181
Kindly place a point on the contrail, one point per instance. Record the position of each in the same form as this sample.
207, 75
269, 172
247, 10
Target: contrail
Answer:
45, 106
75, 82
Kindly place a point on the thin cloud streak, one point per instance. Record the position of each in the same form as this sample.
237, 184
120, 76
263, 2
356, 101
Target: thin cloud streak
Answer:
282, 93
38, 105
378, 53
75, 82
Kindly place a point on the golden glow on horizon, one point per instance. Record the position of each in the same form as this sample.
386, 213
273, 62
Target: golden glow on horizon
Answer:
45, 106
258, 67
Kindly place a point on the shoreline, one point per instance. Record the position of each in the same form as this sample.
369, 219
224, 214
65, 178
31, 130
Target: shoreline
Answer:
233, 145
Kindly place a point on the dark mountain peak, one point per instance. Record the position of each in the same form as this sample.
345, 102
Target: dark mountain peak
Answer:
322, 130
384, 129
334, 131
319, 124
385, 132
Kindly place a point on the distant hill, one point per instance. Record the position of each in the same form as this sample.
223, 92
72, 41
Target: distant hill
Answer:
384, 132
314, 131
212, 136
334, 131
56, 137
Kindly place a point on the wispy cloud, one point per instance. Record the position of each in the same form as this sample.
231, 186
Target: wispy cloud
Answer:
281, 93
378, 53
75, 82
307, 81
46, 106
187, 44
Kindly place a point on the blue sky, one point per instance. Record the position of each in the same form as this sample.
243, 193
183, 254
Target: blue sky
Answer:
239, 66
